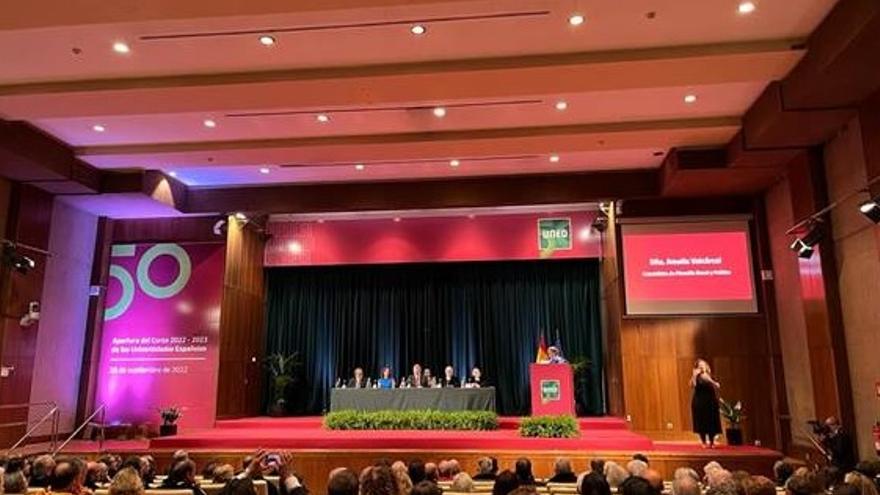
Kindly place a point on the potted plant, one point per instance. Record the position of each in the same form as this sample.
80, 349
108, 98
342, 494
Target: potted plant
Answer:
580, 369
169, 415
733, 414
281, 368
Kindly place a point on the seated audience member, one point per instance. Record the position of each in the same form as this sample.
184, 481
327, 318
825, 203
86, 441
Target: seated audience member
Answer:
726, 488
386, 380
710, 467
222, 473
485, 469
138, 464
257, 473
831, 476
182, 477
740, 480
654, 479
68, 477
113, 463
96, 475
506, 482
641, 457
401, 478
358, 380
431, 472
636, 485
718, 477
782, 470
2, 478
475, 380
148, 474
449, 380
378, 480
865, 485
443, 471
685, 485
416, 471
760, 485
462, 482
417, 379
615, 474
41, 471
179, 455
127, 482
523, 470
343, 482
427, 488
562, 472
15, 482
524, 490
207, 471
637, 467
686, 472
803, 483
845, 489
594, 482
453, 468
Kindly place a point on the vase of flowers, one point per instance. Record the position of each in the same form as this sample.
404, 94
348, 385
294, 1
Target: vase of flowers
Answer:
169, 416
733, 414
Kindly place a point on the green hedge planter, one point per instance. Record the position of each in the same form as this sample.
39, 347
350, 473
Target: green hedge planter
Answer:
549, 427
411, 420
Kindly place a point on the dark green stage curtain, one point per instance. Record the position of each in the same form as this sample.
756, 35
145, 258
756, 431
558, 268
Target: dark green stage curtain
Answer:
486, 314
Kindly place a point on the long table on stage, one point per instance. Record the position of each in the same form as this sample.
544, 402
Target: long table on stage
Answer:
439, 399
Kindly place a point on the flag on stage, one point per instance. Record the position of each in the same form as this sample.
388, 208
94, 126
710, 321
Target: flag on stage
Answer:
542, 356
558, 343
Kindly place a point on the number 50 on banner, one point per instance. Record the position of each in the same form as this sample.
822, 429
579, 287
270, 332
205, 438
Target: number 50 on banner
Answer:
142, 273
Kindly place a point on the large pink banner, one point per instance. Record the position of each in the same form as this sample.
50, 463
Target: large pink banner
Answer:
159, 345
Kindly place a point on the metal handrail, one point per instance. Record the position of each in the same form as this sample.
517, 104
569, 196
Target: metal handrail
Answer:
27, 404
53, 413
102, 410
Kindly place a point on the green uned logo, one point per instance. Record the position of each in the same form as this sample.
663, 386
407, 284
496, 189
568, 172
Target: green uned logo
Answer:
549, 390
554, 233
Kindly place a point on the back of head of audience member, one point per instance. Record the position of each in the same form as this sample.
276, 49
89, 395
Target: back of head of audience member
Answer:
782, 470
593, 483
803, 483
223, 473
760, 485
416, 471
638, 456
597, 466
378, 480
523, 469
426, 488
485, 468
41, 471
865, 485
637, 486
655, 479
68, 476
615, 474
15, 482
506, 482
686, 472
686, 485
182, 473
431, 472
126, 482
524, 490
562, 465
637, 467
723, 487
343, 481
462, 482
845, 489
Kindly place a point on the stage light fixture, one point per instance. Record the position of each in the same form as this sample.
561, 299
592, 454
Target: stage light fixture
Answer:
871, 209
19, 262
803, 245
439, 112
600, 223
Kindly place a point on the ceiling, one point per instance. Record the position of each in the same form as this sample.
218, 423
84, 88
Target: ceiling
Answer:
347, 92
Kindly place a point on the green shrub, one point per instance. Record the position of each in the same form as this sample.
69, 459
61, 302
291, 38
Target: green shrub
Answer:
549, 427
411, 420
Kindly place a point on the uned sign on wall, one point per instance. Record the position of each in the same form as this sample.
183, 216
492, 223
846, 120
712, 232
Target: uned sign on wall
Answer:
554, 234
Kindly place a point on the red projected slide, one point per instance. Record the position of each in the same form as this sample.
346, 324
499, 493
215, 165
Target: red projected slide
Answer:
688, 268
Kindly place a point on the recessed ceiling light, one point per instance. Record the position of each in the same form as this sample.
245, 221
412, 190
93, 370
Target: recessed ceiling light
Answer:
209, 123
472, 216
98, 128
576, 19
121, 47
359, 166
746, 7
439, 112
264, 170
690, 98
418, 29
454, 163
323, 118
172, 173
267, 40
396, 219
561, 105
320, 220
554, 158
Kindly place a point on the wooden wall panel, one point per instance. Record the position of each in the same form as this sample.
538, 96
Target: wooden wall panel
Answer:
242, 329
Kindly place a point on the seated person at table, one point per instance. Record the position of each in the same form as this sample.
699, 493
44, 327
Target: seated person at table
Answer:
386, 381
430, 381
555, 356
417, 379
476, 379
449, 380
358, 380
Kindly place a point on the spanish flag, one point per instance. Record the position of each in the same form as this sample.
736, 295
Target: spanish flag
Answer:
542, 356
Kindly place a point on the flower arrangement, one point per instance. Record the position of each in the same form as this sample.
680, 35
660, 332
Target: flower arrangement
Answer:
170, 414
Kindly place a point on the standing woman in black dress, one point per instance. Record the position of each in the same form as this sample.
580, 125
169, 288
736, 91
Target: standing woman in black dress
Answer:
704, 404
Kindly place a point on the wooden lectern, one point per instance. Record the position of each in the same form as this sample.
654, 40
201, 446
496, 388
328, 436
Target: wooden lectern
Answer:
552, 387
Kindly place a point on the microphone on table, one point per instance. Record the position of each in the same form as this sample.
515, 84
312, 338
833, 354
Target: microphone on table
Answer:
338, 383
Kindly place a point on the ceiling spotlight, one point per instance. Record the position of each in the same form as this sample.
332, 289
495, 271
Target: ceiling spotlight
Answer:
871, 209
690, 98
13, 258
359, 166
554, 158
210, 124
801, 249
813, 233
267, 40
121, 47
264, 170
746, 7
98, 128
561, 105
439, 112
323, 118
418, 29
241, 216
454, 163
576, 19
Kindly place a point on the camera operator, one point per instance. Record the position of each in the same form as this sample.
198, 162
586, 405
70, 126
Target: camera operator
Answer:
837, 442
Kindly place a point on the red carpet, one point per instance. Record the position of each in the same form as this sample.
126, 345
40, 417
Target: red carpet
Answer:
308, 433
